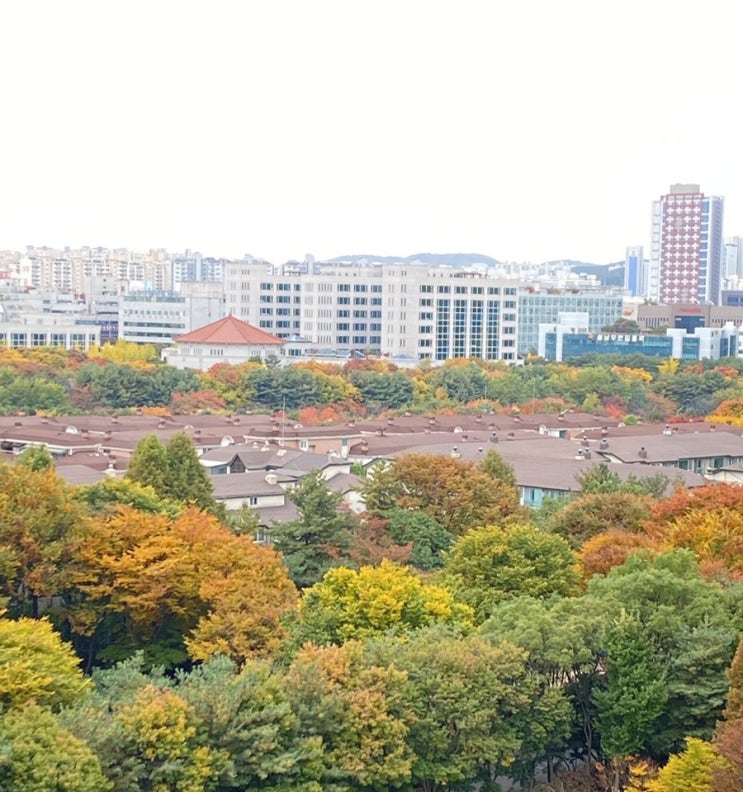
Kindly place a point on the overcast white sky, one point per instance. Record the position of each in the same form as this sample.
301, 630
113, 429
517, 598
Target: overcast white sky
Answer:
523, 130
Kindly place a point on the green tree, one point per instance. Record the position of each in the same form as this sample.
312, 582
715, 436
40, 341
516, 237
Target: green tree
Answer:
689, 623
148, 465
381, 489
429, 538
470, 702
490, 564
36, 458
37, 754
633, 697
187, 479
245, 716
320, 538
494, 465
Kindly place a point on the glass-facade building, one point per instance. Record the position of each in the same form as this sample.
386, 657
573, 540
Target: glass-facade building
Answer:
543, 307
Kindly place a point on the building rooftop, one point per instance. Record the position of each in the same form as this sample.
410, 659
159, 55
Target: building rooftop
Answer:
229, 330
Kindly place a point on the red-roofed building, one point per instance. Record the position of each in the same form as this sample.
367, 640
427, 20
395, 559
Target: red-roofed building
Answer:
227, 340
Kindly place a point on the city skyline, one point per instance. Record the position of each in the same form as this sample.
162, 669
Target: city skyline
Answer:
525, 133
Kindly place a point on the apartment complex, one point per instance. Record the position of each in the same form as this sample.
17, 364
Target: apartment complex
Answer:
405, 310
686, 247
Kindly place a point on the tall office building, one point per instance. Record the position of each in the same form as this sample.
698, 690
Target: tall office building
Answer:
686, 249
634, 271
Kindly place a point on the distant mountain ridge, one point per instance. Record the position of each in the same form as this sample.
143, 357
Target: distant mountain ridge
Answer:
432, 259
607, 274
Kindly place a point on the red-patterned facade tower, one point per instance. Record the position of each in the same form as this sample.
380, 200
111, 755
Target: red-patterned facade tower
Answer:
686, 249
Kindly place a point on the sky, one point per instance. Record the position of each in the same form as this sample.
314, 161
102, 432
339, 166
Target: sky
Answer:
527, 131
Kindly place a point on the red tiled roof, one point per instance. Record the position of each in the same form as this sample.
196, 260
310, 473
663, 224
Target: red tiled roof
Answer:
229, 331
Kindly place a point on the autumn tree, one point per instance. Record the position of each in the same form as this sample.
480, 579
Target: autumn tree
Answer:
692, 770
590, 515
359, 712
388, 598
148, 580
39, 755
40, 526
36, 665
454, 492
610, 549
728, 777
493, 563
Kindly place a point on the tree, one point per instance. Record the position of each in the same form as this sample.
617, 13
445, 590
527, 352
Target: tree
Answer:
633, 697
36, 665
690, 771
688, 622
149, 465
246, 717
381, 489
470, 702
159, 729
494, 465
349, 605
187, 479
37, 754
40, 527
590, 515
600, 479
145, 581
36, 458
490, 564
454, 492
108, 495
610, 549
428, 537
246, 595
320, 538
358, 710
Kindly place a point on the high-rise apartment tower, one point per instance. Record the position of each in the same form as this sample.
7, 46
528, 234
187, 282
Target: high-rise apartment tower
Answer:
686, 247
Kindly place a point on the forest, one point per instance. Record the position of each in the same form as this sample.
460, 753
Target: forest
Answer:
445, 639
120, 377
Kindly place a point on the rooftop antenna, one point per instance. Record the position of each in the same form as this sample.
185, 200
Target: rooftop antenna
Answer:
283, 421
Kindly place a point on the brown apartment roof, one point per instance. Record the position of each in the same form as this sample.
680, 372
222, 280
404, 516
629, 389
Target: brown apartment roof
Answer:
229, 330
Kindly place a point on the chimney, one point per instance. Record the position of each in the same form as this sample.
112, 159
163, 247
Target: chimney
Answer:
642, 453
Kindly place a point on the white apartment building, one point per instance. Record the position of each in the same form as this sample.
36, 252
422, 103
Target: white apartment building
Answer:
70, 270
401, 310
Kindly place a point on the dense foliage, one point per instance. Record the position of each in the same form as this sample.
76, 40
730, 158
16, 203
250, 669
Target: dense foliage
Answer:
126, 376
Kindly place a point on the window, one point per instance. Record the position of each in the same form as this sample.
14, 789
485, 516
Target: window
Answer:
344, 301
344, 287
266, 286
